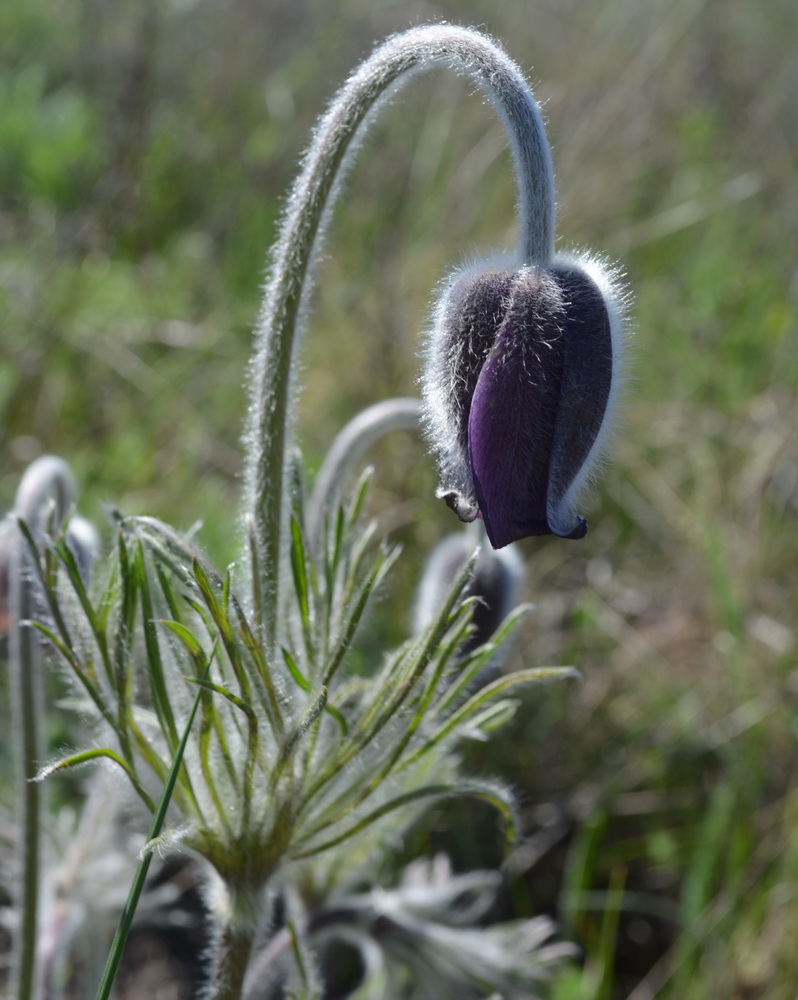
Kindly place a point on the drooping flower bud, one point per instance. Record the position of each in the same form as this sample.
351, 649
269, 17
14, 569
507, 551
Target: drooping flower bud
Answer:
522, 374
496, 582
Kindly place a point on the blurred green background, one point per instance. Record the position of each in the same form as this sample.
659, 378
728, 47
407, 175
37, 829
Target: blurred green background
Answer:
144, 151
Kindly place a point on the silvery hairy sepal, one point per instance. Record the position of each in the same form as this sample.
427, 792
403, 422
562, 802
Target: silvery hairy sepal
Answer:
522, 374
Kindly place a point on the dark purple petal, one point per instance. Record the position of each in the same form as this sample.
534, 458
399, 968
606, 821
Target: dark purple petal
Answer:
513, 413
584, 392
518, 388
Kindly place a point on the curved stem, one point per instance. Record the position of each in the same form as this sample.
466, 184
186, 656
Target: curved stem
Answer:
468, 53
349, 447
47, 479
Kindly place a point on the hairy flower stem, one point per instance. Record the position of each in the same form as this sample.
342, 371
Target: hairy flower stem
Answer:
272, 371
237, 921
348, 448
231, 950
26, 681
46, 491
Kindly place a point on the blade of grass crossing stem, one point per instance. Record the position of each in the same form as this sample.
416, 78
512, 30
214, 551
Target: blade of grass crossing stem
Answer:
297, 675
168, 593
356, 554
308, 718
137, 887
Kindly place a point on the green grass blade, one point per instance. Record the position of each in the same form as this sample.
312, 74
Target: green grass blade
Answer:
228, 694
359, 499
137, 887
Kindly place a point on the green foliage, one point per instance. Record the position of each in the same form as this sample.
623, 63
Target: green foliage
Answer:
297, 786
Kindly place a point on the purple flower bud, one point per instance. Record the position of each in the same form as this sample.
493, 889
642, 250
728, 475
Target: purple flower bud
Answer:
522, 374
496, 582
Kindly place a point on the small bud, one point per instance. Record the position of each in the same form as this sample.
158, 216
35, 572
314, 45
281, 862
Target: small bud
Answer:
496, 582
522, 375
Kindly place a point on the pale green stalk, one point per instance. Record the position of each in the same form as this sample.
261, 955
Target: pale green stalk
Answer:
338, 134
238, 916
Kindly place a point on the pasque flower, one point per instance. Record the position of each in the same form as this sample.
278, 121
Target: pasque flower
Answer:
523, 367
287, 765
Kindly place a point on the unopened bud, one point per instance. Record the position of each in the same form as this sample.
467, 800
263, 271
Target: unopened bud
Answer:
522, 375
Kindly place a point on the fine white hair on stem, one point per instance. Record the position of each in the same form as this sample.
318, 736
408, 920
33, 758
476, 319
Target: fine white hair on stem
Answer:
48, 478
349, 447
45, 493
271, 373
